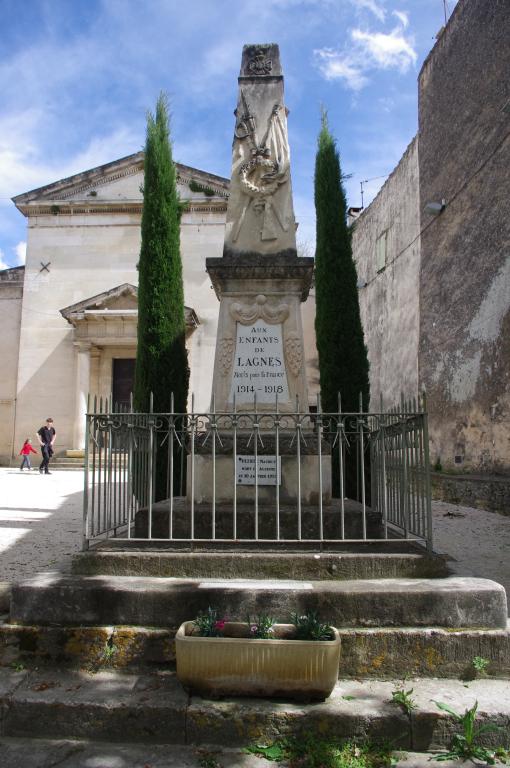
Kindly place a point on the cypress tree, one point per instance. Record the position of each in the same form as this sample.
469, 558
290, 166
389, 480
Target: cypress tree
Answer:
343, 359
162, 361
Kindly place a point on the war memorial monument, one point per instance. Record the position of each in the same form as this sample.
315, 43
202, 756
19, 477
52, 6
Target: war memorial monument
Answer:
255, 530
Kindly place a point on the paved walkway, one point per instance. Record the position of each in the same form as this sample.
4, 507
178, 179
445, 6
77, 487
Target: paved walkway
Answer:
41, 519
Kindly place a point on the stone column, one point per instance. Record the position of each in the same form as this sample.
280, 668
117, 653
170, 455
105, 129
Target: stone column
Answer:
82, 390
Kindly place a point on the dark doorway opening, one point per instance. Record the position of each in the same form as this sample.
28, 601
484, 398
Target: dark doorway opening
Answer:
123, 380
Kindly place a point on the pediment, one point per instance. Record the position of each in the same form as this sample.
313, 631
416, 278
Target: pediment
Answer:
122, 297
117, 185
119, 301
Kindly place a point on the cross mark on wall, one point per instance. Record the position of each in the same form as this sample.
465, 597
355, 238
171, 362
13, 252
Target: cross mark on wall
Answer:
44, 267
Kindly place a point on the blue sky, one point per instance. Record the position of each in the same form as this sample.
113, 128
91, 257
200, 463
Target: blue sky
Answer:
77, 77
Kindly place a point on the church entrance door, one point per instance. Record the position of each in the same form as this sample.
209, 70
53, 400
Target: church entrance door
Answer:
123, 379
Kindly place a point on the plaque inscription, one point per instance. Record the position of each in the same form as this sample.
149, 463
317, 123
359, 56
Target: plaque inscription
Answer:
259, 364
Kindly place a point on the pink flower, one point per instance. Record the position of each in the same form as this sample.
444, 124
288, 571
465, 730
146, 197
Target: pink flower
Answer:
220, 624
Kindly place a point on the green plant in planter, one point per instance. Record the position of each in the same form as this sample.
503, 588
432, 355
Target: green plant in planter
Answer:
309, 627
208, 624
261, 627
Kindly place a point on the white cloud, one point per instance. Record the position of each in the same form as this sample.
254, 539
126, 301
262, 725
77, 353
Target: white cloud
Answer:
385, 51
373, 6
368, 51
403, 17
335, 66
21, 252
3, 263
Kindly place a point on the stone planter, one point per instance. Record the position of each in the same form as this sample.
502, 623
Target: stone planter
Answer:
237, 665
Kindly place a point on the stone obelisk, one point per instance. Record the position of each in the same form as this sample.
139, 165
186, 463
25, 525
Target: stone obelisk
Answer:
260, 281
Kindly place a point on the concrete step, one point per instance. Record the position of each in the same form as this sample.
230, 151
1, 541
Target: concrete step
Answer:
153, 709
379, 653
245, 517
67, 753
267, 565
456, 602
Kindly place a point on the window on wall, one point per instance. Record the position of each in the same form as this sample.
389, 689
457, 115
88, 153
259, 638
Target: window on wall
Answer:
381, 246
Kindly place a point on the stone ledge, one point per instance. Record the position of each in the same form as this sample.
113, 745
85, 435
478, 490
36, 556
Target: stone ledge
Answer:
294, 565
111, 706
490, 492
56, 599
366, 653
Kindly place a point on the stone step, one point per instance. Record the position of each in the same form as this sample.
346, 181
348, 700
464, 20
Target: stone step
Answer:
245, 521
379, 653
267, 565
456, 602
153, 709
67, 753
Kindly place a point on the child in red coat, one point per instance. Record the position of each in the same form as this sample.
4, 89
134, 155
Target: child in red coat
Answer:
25, 452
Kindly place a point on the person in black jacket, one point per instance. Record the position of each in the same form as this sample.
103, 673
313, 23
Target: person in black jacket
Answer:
46, 437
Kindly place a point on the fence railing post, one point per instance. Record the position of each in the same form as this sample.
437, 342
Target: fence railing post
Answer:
85, 537
428, 494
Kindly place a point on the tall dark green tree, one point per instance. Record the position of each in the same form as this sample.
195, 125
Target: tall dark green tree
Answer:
162, 362
343, 360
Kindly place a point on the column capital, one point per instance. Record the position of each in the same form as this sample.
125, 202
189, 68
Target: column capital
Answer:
82, 346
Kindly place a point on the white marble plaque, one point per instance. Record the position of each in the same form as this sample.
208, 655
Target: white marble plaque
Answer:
266, 470
250, 584
259, 364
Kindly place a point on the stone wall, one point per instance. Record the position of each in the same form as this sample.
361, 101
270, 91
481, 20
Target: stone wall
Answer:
386, 249
11, 294
464, 158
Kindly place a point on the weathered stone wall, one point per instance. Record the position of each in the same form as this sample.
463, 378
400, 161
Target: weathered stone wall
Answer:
491, 492
464, 156
389, 301
11, 293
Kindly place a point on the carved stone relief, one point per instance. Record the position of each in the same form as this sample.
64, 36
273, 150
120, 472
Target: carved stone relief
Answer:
294, 352
259, 65
265, 170
260, 310
226, 351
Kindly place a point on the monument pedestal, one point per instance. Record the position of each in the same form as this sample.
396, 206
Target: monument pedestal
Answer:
286, 479
260, 281
259, 347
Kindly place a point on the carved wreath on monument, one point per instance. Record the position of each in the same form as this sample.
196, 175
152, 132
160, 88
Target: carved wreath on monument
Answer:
265, 172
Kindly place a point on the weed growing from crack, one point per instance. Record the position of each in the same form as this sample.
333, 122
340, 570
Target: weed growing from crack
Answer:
465, 746
480, 665
307, 751
403, 699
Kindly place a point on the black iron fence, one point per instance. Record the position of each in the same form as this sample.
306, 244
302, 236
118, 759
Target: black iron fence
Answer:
257, 476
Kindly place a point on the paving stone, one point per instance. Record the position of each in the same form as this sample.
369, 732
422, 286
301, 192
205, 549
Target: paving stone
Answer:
46, 753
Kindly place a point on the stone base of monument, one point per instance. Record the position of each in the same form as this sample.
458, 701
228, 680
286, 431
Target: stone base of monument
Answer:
246, 521
223, 490
294, 474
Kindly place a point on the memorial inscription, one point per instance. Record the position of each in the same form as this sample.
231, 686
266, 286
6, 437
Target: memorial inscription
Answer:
259, 364
266, 470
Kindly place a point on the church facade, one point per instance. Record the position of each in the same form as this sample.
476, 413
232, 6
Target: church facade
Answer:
70, 314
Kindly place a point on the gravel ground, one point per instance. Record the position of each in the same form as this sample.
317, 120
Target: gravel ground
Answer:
41, 519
